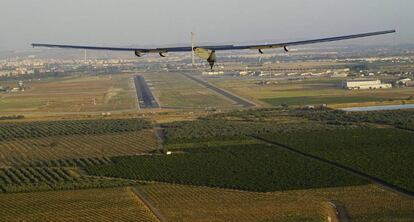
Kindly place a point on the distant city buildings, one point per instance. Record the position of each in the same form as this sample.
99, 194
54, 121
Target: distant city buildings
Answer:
404, 82
365, 84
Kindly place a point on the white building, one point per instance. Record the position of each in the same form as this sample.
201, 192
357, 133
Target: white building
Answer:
404, 81
366, 84
213, 73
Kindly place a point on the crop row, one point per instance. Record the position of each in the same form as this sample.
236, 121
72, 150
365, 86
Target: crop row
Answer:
33, 175
247, 167
200, 130
79, 162
26, 179
363, 204
398, 118
106, 205
18, 130
385, 153
18, 152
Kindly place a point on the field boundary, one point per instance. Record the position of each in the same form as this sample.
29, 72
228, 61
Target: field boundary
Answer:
135, 190
375, 180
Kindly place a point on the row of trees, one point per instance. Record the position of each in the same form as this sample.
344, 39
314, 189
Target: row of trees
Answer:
398, 118
11, 131
248, 167
27, 179
385, 153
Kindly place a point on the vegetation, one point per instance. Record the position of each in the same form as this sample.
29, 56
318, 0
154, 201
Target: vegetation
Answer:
385, 153
11, 117
27, 179
249, 167
25, 130
363, 204
310, 100
223, 128
398, 118
27, 151
117, 204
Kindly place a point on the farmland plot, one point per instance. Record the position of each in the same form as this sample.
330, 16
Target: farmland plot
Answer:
18, 152
28, 130
363, 203
385, 153
117, 204
26, 179
247, 167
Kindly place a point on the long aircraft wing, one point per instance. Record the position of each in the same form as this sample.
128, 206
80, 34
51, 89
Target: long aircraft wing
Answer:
217, 47
209, 52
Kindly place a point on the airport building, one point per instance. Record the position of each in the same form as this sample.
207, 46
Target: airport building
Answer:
366, 84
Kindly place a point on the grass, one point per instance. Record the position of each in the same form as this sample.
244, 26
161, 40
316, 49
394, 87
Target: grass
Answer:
175, 90
72, 94
310, 100
247, 167
320, 91
118, 204
363, 203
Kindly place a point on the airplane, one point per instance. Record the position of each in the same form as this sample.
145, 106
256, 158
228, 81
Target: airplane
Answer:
209, 52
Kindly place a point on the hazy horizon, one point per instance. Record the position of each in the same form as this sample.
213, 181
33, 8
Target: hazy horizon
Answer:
159, 22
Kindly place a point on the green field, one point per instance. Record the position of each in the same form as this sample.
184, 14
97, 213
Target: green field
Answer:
212, 152
384, 153
39, 129
229, 128
175, 90
245, 167
398, 118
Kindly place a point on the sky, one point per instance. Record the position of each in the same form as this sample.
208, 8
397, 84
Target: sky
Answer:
166, 22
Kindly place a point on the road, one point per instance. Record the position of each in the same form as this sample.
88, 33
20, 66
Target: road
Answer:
145, 98
240, 101
385, 185
336, 212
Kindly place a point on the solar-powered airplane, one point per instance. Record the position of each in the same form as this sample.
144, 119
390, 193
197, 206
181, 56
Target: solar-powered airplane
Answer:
209, 52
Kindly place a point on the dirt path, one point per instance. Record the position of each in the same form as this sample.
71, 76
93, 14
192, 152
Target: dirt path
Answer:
342, 213
336, 212
147, 203
159, 133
